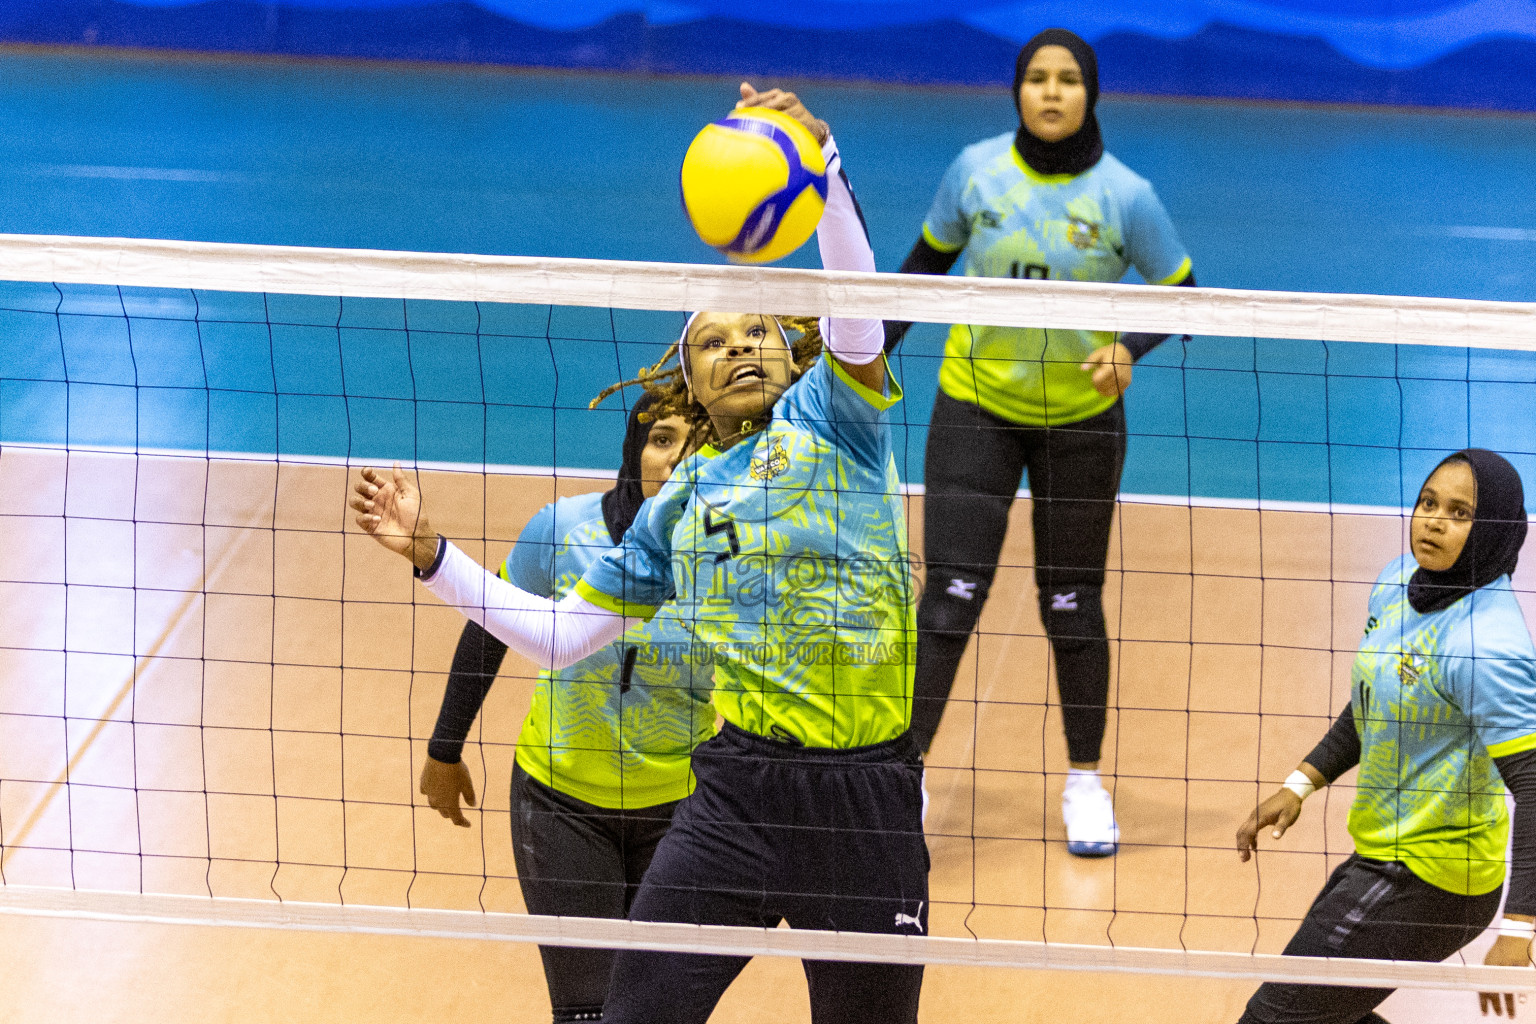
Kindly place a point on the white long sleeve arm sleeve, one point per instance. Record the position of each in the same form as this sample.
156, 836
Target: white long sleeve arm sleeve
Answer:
844, 245
552, 634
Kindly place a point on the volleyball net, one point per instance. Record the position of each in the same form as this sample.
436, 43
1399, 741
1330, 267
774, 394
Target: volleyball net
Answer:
216, 694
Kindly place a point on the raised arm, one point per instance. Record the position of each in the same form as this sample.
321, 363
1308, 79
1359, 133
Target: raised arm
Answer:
844, 243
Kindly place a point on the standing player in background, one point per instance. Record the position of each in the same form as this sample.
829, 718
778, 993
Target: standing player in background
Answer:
602, 758
782, 545
1441, 718
1044, 202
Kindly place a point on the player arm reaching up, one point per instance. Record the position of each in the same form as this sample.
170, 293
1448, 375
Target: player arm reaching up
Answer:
857, 344
555, 634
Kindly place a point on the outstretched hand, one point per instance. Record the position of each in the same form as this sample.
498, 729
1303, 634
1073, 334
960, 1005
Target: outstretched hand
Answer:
787, 102
389, 510
1111, 365
1278, 813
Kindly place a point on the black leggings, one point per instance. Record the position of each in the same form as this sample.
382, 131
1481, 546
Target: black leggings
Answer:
1371, 910
578, 860
829, 839
975, 462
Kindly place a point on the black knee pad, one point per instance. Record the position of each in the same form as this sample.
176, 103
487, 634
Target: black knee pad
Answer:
951, 601
1073, 614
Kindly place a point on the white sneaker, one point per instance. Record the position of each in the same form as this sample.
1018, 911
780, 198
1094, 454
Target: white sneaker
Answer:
1089, 814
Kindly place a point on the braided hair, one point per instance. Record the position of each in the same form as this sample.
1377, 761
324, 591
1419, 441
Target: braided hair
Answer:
667, 385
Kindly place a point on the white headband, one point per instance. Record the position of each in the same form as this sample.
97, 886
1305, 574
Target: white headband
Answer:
682, 343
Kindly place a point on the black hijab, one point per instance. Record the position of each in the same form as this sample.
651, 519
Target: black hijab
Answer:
1080, 150
622, 503
1493, 543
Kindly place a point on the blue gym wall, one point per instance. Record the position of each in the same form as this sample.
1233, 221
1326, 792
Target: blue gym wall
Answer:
1448, 53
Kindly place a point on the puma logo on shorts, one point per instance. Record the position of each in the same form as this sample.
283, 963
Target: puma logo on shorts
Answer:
911, 919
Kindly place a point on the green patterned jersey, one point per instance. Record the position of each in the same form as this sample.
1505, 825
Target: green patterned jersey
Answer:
786, 557
1436, 697
1015, 222
616, 729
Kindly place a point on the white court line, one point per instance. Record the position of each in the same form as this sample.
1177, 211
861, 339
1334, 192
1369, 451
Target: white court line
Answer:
134, 173
718, 939
1492, 234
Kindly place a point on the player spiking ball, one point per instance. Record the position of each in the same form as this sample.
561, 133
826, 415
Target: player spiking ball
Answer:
782, 543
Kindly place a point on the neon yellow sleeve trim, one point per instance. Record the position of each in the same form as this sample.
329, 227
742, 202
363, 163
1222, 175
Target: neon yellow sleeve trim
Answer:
501, 570
874, 398
1515, 746
931, 239
1180, 274
628, 609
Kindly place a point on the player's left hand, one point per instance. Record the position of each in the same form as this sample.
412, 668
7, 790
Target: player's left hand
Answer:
1111, 367
787, 102
1507, 951
389, 509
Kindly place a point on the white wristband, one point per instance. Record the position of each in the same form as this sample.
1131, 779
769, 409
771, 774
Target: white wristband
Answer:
1517, 929
1298, 783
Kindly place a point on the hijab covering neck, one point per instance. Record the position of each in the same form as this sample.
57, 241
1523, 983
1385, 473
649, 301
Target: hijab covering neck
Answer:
1493, 543
1083, 148
622, 503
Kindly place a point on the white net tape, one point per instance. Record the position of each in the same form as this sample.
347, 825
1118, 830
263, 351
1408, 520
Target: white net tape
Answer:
1400, 320
718, 939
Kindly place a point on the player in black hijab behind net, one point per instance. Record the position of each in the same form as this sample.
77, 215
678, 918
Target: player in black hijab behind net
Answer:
1041, 201
1441, 719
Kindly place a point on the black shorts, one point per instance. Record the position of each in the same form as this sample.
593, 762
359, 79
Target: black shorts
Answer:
824, 839
1374, 910
575, 859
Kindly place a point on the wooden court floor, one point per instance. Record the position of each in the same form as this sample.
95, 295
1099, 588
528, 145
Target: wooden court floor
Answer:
208, 685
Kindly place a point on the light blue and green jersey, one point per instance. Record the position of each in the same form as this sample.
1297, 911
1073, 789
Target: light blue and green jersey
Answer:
1436, 697
1015, 222
616, 729
786, 556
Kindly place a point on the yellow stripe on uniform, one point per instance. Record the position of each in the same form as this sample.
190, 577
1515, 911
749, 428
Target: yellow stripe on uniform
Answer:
928, 236
618, 606
1180, 274
1515, 746
874, 398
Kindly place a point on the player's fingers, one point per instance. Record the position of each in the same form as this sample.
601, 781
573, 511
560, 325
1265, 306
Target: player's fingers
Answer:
459, 819
747, 92
468, 791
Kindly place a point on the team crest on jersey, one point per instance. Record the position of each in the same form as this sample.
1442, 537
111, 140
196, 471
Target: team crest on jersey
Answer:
986, 219
1409, 669
776, 462
1082, 233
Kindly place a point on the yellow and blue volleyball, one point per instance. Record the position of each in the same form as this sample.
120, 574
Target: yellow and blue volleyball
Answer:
754, 185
